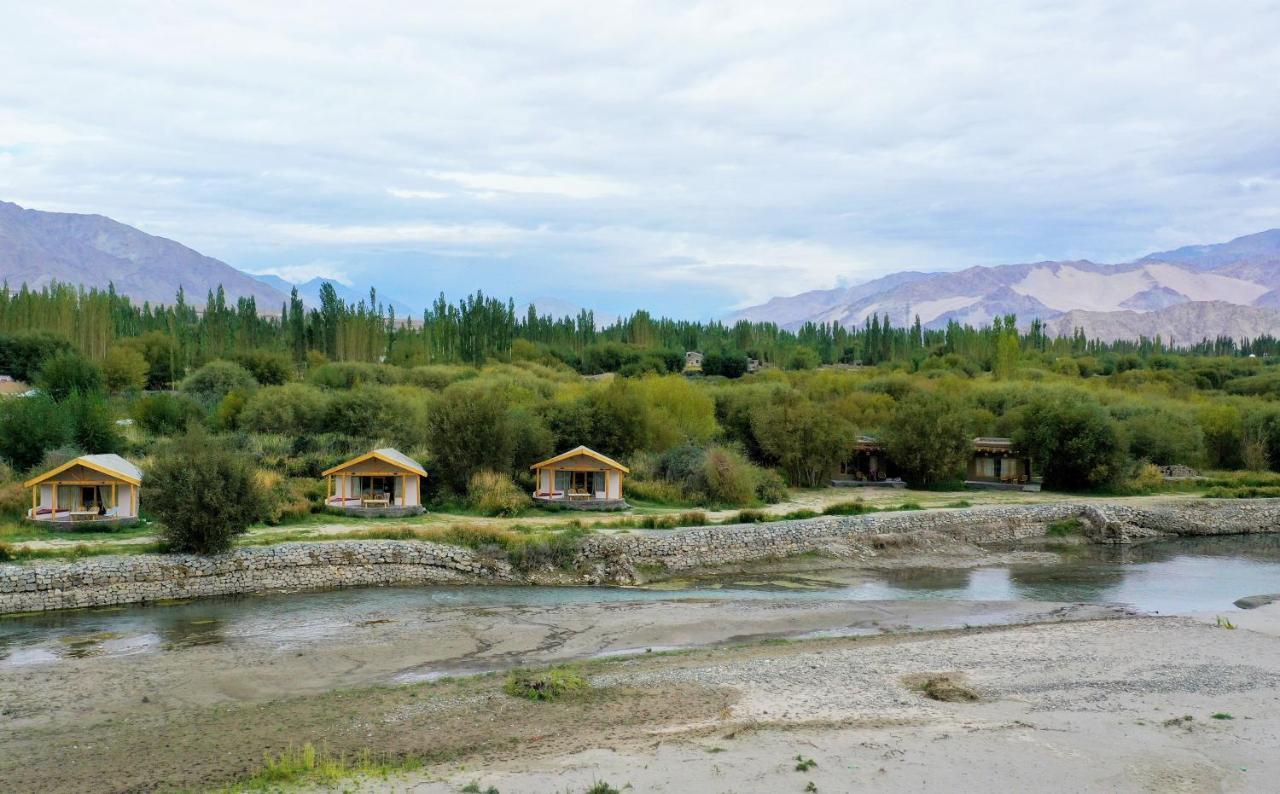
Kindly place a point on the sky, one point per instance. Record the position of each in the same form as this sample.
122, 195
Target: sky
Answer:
688, 158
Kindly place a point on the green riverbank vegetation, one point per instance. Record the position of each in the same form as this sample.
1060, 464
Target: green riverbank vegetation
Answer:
478, 394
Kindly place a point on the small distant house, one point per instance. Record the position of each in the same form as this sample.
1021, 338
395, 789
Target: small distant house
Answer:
383, 482
753, 365
581, 478
996, 463
90, 489
869, 466
693, 360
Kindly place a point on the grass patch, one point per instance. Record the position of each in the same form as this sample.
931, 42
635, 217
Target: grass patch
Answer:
474, 788
854, 508
908, 506
309, 764
796, 515
18, 554
1066, 527
1225, 623
1243, 492
601, 787
553, 683
1221, 715
748, 517
943, 687
804, 764
524, 547
959, 503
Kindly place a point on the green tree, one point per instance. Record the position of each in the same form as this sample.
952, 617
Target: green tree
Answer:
1072, 440
469, 430
203, 494
30, 427
929, 438
125, 370
805, 440
291, 409
66, 373
209, 384
93, 428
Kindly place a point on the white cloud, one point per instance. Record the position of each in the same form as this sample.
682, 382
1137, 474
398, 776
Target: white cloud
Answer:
743, 149
572, 186
417, 194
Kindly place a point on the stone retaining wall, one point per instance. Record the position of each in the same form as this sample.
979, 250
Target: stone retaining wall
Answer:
101, 581
603, 558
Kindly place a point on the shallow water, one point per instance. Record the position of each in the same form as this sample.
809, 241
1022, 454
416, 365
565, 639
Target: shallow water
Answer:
1192, 575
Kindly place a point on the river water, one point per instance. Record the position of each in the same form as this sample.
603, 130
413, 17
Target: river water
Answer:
1168, 577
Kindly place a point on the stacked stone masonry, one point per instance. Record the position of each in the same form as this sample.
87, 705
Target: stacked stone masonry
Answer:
604, 557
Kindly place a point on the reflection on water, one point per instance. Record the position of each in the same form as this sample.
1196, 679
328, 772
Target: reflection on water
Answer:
1191, 575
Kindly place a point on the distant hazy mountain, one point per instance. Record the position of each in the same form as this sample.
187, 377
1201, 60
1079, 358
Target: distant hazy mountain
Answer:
1186, 323
39, 247
309, 291
557, 307
1242, 273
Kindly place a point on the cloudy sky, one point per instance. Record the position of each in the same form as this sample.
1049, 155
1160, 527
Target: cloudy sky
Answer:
686, 157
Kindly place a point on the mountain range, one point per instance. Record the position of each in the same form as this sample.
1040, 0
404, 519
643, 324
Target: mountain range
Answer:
1189, 293
37, 248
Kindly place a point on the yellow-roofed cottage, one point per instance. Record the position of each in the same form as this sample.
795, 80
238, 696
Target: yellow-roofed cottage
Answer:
580, 478
91, 489
382, 482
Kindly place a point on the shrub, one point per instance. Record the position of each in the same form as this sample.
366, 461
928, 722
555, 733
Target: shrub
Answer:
1072, 438
854, 508
350, 374
29, 427
267, 367
92, 426
66, 373
292, 409
749, 517
439, 376
165, 413
203, 494
14, 500
287, 499
660, 491
771, 488
209, 384
494, 494
470, 428
554, 683
22, 354
728, 478
125, 369
929, 438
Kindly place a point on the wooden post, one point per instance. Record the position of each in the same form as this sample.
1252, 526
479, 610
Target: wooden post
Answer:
35, 497
54, 485
115, 495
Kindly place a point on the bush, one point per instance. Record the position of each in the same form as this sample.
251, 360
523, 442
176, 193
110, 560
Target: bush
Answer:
771, 488
350, 374
854, 508
203, 494
66, 373
14, 500
22, 354
287, 499
125, 369
292, 409
729, 478
29, 427
267, 367
929, 438
470, 428
554, 683
92, 426
1073, 440
209, 384
494, 494
165, 413
749, 517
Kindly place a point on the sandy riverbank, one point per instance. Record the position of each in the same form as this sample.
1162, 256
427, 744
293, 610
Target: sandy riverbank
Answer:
1066, 688
1122, 705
